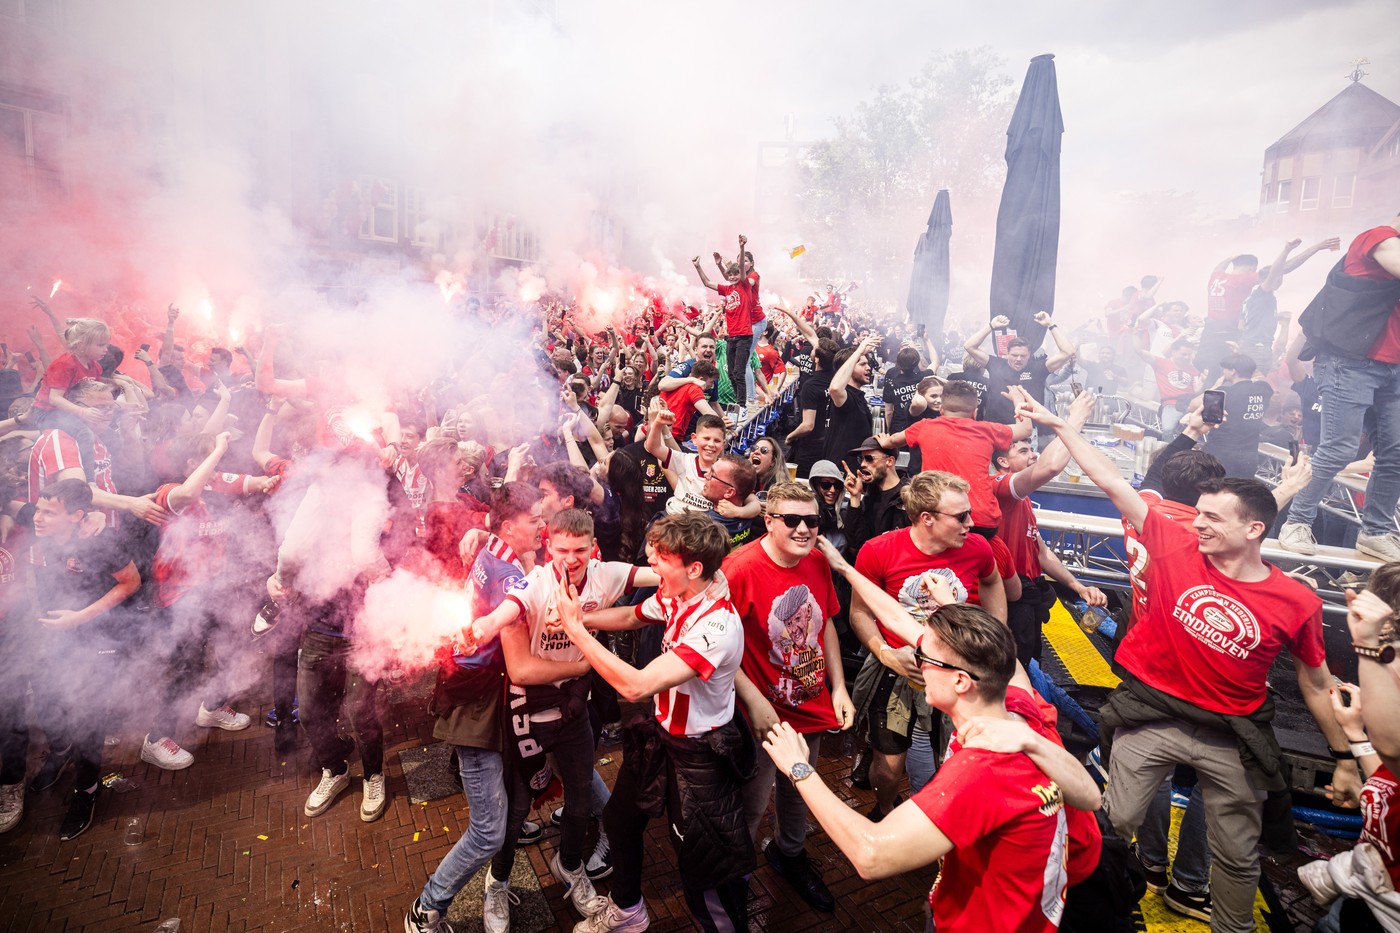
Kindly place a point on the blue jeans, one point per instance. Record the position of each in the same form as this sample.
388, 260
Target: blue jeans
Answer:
483, 778
1191, 870
1347, 388
920, 763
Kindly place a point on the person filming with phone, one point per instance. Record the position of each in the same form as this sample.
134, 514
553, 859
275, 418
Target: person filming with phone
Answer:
1235, 443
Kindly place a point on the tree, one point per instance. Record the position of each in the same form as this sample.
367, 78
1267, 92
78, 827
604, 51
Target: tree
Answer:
866, 192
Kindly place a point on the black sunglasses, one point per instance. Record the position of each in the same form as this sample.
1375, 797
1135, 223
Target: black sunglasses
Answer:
828, 484
959, 517
921, 659
792, 521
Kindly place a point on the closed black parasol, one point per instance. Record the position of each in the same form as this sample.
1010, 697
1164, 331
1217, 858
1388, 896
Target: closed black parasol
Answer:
1028, 221
928, 285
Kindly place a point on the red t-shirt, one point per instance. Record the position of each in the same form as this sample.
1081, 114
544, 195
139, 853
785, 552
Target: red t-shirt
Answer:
1085, 837
1208, 638
894, 562
1174, 384
682, 403
62, 374
769, 360
56, 451
1018, 528
756, 312
1006, 872
1380, 819
13, 593
1001, 555
192, 547
1178, 512
965, 448
1226, 292
784, 610
1359, 262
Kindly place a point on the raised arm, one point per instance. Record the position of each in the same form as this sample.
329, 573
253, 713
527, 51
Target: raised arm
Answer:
837, 390
973, 346
264, 376
1065, 347
190, 490
1102, 472
167, 343
704, 279
1056, 456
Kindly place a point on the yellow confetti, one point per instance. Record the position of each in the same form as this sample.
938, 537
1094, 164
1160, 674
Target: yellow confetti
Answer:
245, 851
415, 837
446, 830
263, 838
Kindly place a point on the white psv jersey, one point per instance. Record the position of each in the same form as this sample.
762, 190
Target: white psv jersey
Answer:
706, 633
537, 595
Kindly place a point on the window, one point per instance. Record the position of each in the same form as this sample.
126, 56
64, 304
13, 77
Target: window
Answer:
1343, 189
33, 130
1285, 194
418, 223
1311, 194
379, 198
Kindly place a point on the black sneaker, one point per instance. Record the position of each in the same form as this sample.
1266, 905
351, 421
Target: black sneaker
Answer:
860, 774
271, 719
530, 833
802, 874
79, 815
1196, 906
284, 738
422, 920
1156, 877
50, 770
876, 814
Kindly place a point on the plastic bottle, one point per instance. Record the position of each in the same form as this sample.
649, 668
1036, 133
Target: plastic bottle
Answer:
1095, 619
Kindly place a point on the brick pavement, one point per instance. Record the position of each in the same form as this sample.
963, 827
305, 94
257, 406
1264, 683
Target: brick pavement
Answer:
202, 856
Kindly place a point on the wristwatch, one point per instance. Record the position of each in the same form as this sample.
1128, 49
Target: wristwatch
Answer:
1382, 655
801, 771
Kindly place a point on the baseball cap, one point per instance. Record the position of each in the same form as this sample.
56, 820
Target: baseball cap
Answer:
824, 469
870, 443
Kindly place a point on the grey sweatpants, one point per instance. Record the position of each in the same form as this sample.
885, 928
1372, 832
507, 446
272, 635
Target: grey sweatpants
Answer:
1143, 757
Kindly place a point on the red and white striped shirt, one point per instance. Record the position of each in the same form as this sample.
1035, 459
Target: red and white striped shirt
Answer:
56, 451
707, 634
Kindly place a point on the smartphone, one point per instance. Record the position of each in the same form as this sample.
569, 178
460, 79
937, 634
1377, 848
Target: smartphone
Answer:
1077, 389
1213, 407
29, 355
1293, 452
146, 347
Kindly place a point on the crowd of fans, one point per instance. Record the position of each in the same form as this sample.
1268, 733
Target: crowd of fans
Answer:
869, 560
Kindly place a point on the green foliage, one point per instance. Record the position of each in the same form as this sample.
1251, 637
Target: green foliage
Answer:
865, 193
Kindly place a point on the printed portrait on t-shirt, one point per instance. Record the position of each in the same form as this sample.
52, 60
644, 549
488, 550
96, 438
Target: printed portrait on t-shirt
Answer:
795, 627
914, 595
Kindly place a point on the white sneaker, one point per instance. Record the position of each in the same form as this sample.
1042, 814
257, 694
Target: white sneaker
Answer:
376, 799
586, 900
331, 787
599, 864
1297, 537
1381, 547
225, 717
495, 909
165, 753
11, 805
613, 919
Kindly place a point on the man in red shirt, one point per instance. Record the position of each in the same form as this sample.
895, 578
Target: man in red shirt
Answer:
958, 443
784, 594
1176, 377
1348, 386
938, 543
1229, 285
995, 812
1196, 667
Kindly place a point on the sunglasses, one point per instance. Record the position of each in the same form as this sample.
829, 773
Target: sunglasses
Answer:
921, 659
959, 517
712, 475
792, 521
827, 484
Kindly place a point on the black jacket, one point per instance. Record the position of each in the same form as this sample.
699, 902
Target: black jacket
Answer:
699, 783
1348, 314
879, 512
